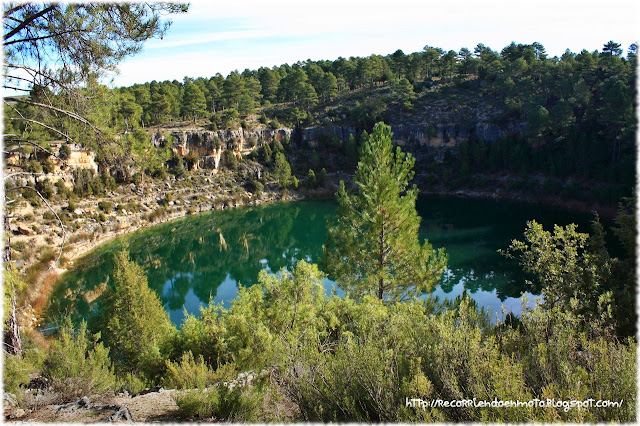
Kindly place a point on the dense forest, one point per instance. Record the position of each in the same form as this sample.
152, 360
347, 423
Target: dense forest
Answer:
568, 105
284, 350
569, 118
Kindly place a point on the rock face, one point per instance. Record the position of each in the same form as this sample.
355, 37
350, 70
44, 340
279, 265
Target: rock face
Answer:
209, 145
415, 138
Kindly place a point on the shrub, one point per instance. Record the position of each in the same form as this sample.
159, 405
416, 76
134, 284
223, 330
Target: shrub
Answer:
220, 403
159, 172
48, 215
310, 182
255, 186
275, 124
252, 142
71, 206
64, 152
109, 182
157, 213
105, 206
322, 177
136, 178
229, 160
135, 326
130, 383
77, 365
48, 166
34, 167
32, 196
18, 245
189, 373
63, 191
18, 369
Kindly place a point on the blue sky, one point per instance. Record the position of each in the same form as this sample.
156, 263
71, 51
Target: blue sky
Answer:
219, 37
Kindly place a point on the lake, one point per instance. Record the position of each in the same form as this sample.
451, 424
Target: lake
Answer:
205, 257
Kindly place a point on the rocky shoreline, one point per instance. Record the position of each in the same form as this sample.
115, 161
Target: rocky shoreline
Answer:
92, 234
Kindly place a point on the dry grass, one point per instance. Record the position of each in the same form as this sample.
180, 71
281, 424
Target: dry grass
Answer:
45, 289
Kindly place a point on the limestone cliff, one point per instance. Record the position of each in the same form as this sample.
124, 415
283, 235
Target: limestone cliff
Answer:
416, 138
209, 145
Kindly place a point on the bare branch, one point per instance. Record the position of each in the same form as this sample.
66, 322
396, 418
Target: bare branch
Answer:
24, 40
23, 173
41, 124
33, 72
29, 20
65, 112
64, 233
39, 147
16, 88
8, 13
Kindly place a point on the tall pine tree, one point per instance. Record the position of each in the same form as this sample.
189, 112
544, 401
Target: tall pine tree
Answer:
134, 325
372, 246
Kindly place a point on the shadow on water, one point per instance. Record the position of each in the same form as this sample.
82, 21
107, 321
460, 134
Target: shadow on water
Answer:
204, 258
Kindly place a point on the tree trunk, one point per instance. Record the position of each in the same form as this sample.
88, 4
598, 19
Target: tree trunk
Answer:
6, 253
12, 344
381, 262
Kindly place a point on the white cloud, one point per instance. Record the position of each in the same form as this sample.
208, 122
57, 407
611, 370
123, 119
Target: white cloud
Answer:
207, 38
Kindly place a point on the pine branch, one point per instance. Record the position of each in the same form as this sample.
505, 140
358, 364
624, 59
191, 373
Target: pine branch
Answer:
51, 107
28, 21
28, 120
24, 40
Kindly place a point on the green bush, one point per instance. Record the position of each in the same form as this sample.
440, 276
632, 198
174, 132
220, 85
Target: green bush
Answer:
34, 167
45, 187
157, 213
189, 373
135, 327
240, 404
310, 181
77, 365
48, 215
229, 159
105, 206
130, 383
255, 186
18, 369
64, 152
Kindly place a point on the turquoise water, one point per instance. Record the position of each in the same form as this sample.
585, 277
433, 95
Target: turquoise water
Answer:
205, 257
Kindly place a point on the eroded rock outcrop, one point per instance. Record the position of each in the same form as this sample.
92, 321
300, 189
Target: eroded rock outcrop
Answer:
417, 138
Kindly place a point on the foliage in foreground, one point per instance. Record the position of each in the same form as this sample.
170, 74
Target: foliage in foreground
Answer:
77, 364
133, 322
340, 359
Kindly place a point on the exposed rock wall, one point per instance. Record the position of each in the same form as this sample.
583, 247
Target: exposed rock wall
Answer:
209, 145
436, 138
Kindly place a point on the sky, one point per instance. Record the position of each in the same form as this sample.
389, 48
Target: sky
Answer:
221, 36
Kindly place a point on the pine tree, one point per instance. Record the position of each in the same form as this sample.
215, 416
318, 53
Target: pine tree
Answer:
136, 327
194, 104
373, 245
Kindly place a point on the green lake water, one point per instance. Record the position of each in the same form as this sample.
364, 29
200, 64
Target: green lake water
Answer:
205, 257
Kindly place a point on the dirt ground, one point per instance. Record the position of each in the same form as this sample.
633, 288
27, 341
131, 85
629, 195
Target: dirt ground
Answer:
154, 407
